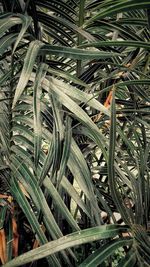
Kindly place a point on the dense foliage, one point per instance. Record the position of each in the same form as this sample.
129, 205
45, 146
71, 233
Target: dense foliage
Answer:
74, 133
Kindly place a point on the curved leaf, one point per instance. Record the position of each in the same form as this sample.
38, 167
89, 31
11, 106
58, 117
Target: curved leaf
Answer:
29, 61
106, 251
81, 237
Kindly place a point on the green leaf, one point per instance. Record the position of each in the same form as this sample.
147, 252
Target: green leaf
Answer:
121, 6
79, 113
6, 41
130, 260
17, 192
27, 69
82, 96
65, 152
69, 188
60, 204
77, 238
8, 22
26, 21
129, 43
67, 76
75, 53
61, 21
111, 161
98, 256
41, 72
47, 163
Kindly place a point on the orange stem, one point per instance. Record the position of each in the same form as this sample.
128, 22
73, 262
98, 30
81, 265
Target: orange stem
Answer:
3, 256
108, 99
15, 237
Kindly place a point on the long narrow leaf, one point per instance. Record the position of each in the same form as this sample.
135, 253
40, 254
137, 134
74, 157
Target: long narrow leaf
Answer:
106, 251
27, 69
37, 113
77, 238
